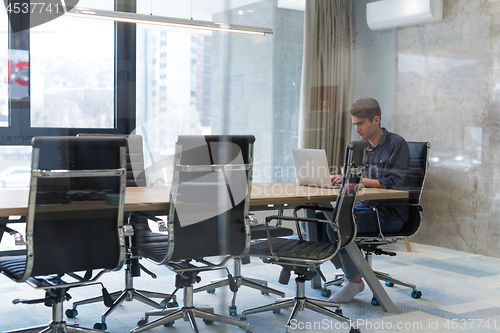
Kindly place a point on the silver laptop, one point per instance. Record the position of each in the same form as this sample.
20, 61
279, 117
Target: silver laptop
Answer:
311, 167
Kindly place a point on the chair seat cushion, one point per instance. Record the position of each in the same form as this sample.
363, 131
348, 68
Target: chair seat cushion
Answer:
155, 251
259, 231
294, 248
151, 244
13, 267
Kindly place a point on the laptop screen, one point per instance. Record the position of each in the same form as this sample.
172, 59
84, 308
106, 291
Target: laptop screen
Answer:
311, 167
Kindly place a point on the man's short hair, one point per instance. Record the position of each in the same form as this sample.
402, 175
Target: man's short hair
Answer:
365, 108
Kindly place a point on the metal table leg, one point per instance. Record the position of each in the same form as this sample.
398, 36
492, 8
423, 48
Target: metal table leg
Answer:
370, 278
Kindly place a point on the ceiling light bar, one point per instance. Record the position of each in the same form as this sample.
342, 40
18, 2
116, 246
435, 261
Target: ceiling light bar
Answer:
165, 21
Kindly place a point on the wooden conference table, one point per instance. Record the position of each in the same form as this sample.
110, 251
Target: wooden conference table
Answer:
14, 202
155, 199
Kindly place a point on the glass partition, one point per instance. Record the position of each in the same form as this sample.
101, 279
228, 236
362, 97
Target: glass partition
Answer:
15, 166
5, 69
202, 82
72, 71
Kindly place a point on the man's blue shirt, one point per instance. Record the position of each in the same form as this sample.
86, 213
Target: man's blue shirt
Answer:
389, 162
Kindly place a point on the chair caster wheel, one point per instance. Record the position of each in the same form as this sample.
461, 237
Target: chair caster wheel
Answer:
232, 310
338, 311
71, 313
326, 292
211, 291
416, 294
276, 310
244, 319
339, 278
142, 322
375, 301
170, 324
100, 326
172, 304
389, 284
264, 292
208, 322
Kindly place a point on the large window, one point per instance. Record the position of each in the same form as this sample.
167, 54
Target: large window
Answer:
72, 71
62, 76
15, 166
57, 78
192, 82
82, 75
14, 81
5, 68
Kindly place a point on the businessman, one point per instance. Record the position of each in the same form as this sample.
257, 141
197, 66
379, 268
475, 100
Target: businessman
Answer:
387, 161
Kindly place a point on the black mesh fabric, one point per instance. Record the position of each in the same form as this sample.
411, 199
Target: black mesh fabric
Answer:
215, 233
284, 247
75, 224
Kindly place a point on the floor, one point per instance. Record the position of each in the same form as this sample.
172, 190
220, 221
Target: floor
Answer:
460, 293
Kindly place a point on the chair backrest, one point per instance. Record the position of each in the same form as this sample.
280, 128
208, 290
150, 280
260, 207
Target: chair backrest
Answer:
419, 161
136, 175
76, 200
353, 171
209, 198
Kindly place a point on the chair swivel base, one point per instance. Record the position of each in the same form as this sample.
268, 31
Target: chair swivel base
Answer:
57, 325
299, 303
188, 312
118, 297
389, 282
240, 281
387, 278
140, 295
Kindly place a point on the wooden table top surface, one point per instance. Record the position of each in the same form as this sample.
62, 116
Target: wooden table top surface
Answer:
15, 201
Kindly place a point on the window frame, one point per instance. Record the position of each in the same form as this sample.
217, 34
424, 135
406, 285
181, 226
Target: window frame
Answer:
20, 132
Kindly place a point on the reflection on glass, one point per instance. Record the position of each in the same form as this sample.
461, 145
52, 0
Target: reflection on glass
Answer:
459, 162
193, 82
4, 69
15, 166
72, 72
173, 93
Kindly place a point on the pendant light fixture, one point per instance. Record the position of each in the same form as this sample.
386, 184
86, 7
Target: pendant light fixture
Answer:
165, 21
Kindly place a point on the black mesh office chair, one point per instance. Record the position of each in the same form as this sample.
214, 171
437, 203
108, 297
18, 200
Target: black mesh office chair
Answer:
304, 257
370, 242
135, 177
257, 231
74, 221
208, 217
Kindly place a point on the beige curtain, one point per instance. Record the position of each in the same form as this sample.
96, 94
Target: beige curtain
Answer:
327, 78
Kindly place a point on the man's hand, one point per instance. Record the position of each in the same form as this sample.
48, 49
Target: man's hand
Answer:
367, 182
336, 179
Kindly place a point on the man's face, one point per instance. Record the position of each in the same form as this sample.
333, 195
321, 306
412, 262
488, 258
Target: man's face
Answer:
365, 128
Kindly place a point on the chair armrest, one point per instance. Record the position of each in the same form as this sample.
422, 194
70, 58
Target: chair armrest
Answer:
293, 218
161, 224
300, 207
18, 237
395, 204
